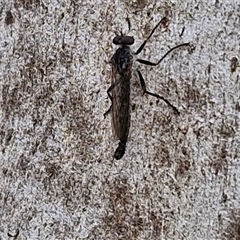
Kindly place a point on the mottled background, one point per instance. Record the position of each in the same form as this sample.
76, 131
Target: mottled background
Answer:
180, 176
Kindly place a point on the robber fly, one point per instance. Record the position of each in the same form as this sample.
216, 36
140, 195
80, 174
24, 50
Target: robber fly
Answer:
119, 91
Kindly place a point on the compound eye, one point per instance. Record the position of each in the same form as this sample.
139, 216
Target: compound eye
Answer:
127, 40
124, 40
117, 40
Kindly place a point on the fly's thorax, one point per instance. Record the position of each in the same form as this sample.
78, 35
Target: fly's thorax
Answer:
122, 60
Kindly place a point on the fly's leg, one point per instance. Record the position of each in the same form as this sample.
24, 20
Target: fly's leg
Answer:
155, 64
146, 62
143, 85
145, 41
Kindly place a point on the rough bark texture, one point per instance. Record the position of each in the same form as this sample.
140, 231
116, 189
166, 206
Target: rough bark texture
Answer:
180, 175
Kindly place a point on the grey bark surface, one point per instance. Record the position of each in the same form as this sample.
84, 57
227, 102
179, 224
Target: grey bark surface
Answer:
180, 175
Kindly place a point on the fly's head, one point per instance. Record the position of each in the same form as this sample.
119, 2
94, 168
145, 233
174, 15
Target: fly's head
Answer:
122, 58
123, 39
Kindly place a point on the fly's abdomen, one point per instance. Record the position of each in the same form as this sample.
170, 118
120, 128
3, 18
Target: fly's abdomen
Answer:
120, 113
120, 150
121, 65
121, 118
